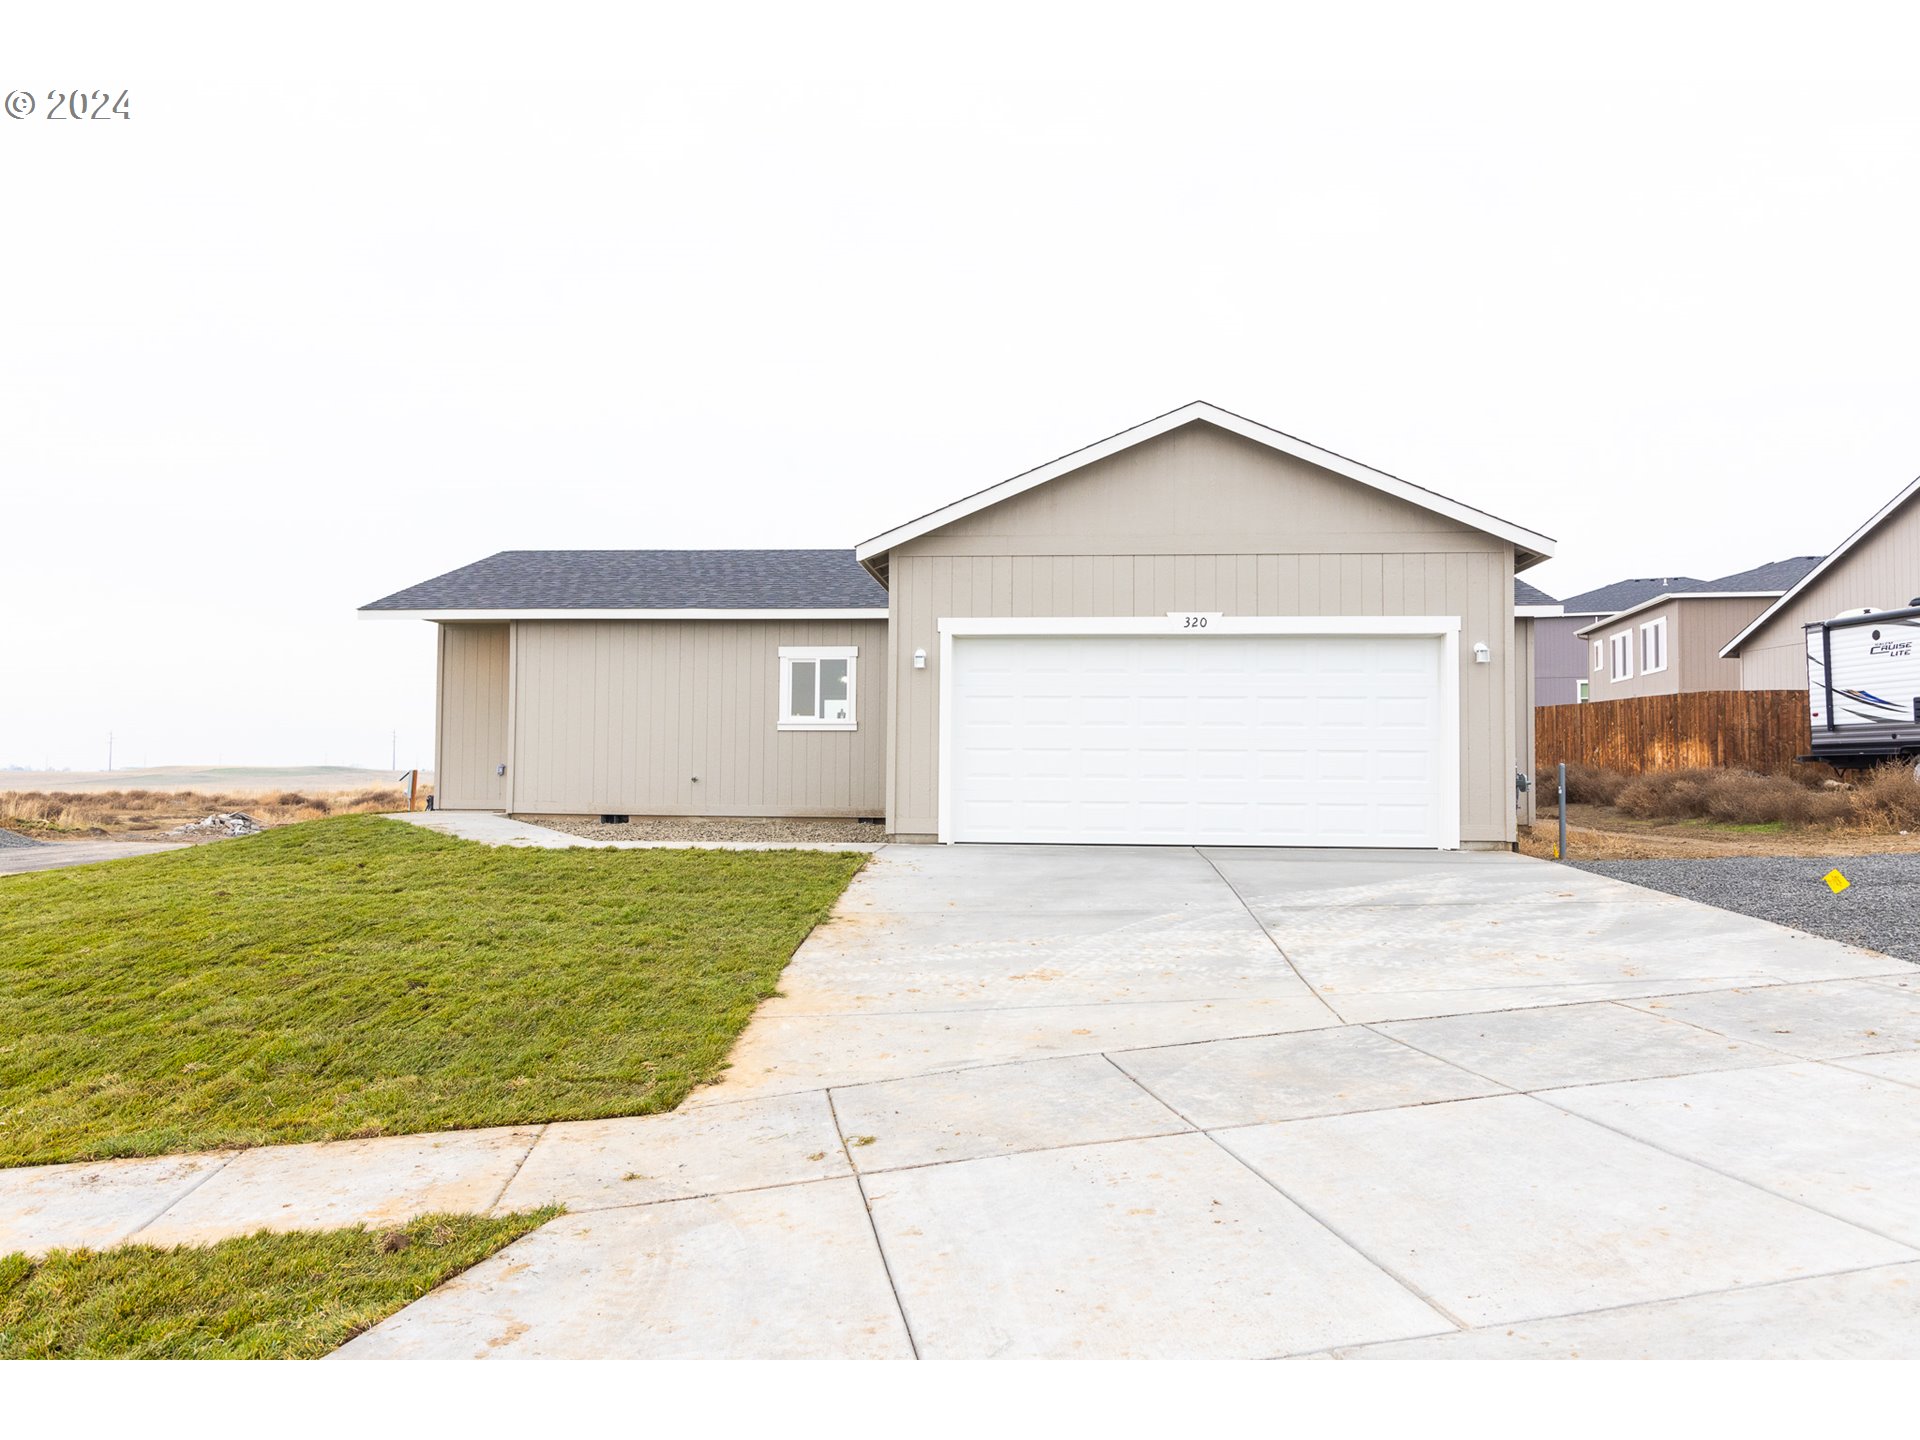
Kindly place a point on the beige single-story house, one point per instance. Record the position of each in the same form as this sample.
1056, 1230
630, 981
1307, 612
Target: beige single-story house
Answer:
1877, 566
1199, 630
1670, 642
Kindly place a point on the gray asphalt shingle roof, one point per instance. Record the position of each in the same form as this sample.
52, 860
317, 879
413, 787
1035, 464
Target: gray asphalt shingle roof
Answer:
648, 580
1774, 575
1625, 594
1525, 594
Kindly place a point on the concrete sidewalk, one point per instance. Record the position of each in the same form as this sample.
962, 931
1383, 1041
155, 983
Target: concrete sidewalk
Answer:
490, 828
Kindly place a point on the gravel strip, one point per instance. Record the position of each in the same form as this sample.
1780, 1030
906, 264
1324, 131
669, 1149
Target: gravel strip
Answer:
1880, 911
796, 832
14, 838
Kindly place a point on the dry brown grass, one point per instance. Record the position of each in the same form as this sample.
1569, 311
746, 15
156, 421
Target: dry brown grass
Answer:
56, 813
1731, 812
1732, 797
1889, 798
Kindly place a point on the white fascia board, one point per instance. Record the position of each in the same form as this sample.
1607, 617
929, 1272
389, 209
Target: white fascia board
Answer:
1617, 616
1732, 647
1534, 545
452, 615
1538, 612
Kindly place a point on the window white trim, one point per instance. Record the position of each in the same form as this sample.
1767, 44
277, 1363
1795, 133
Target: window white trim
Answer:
1583, 692
1653, 646
1445, 627
1620, 653
1599, 657
813, 654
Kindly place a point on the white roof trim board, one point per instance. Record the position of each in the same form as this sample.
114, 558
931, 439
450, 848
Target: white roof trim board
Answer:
1732, 647
1530, 547
624, 614
1652, 600
1537, 612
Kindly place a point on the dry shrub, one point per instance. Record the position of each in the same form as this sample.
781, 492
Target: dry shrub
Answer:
1737, 798
1590, 785
1888, 798
1665, 795
1731, 797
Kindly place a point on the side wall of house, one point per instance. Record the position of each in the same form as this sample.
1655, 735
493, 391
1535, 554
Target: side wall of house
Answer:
1882, 571
1661, 682
1202, 519
681, 717
1561, 659
1526, 694
471, 729
1706, 626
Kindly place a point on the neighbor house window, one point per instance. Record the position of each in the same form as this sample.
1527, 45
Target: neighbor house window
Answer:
816, 686
1598, 659
1622, 650
1653, 646
1583, 696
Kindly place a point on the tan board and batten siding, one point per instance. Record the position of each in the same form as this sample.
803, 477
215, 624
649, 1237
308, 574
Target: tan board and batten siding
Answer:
1203, 519
474, 661
1525, 639
1882, 570
681, 717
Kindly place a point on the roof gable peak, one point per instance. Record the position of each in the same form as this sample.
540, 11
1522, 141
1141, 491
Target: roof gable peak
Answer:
1530, 547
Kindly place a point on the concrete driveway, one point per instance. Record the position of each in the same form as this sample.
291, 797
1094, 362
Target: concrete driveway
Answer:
1176, 1102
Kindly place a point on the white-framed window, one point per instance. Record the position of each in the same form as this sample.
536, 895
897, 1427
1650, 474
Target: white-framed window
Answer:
1585, 693
1621, 648
1599, 656
1653, 646
817, 686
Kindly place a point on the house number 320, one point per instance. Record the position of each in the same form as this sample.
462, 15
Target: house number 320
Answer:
1194, 622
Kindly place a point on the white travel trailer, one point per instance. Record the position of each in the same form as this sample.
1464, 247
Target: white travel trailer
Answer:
1863, 684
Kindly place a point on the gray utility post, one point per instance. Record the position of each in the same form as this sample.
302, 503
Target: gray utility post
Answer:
1561, 853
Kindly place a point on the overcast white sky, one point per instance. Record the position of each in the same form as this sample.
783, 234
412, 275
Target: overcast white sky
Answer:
362, 292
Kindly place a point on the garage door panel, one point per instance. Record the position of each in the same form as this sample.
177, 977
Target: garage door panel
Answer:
1251, 740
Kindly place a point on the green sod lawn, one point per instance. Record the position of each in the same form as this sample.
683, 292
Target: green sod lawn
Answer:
358, 976
260, 1297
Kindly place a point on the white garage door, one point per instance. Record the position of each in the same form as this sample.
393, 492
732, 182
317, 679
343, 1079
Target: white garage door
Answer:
1172, 739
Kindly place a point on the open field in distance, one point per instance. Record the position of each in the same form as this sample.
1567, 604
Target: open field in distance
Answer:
150, 804
223, 779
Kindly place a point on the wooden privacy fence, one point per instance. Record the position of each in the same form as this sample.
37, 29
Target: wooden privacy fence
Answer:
1732, 729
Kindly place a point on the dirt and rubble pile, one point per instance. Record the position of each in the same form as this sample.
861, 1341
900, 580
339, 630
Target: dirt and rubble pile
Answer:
227, 822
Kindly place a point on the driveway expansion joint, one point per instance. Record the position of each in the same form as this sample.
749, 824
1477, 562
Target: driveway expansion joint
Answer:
879, 1245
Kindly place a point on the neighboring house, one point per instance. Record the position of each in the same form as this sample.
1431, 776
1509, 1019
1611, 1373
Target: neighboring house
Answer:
1563, 671
1559, 657
1878, 566
1670, 641
1200, 630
